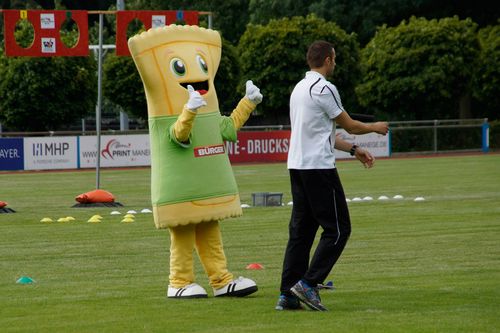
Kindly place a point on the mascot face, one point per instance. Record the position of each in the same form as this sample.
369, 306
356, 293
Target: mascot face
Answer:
173, 57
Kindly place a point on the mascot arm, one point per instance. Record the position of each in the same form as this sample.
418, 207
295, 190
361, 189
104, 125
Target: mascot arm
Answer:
181, 129
246, 105
242, 112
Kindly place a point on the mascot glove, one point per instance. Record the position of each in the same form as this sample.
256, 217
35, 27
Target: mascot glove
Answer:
195, 100
253, 92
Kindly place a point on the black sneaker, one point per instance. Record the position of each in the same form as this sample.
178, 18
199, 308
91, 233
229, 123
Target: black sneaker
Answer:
288, 303
308, 295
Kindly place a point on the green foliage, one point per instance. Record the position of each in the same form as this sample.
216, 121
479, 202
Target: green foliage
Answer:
274, 57
419, 69
123, 86
359, 16
448, 138
495, 134
24, 33
364, 16
39, 94
263, 11
230, 17
69, 33
227, 78
108, 33
486, 87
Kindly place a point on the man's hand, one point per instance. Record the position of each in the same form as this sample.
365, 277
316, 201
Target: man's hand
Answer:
364, 157
381, 127
195, 100
253, 92
357, 127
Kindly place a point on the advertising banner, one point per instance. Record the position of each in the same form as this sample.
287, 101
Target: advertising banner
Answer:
116, 151
273, 146
47, 153
50, 153
11, 154
376, 144
47, 28
259, 147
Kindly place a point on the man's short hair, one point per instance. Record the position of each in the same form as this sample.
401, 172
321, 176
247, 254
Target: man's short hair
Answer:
317, 53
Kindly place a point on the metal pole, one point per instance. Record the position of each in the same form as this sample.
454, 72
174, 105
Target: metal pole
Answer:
435, 135
99, 104
486, 136
124, 123
210, 20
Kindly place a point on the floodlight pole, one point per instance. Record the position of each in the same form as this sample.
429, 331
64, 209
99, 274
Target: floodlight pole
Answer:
99, 104
124, 122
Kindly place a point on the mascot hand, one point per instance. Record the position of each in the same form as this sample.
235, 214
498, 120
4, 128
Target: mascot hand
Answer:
253, 92
195, 100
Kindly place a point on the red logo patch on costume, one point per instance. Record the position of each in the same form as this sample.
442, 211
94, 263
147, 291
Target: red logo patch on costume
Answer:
209, 150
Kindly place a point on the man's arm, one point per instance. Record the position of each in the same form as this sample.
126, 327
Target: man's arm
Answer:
361, 154
356, 127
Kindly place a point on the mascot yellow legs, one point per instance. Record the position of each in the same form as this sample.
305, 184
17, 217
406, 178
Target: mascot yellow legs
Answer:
206, 238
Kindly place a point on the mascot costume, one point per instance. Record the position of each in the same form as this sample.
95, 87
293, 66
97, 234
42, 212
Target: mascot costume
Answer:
192, 182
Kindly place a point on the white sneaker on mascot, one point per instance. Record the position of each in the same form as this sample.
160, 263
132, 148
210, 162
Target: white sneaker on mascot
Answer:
239, 287
192, 290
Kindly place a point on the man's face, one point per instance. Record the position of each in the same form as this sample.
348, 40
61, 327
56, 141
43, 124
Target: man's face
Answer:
331, 63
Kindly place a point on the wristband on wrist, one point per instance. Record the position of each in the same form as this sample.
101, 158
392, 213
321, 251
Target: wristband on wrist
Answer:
353, 150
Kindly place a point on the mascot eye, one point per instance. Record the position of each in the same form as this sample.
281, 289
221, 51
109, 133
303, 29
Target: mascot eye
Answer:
177, 67
202, 63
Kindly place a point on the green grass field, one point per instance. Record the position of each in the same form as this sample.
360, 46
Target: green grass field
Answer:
431, 266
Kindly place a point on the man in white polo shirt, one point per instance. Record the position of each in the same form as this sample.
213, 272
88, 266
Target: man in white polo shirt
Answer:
318, 196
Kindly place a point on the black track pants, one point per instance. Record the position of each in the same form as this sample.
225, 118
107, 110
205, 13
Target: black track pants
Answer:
318, 200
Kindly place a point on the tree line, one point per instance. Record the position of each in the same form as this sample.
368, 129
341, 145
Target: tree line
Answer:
390, 63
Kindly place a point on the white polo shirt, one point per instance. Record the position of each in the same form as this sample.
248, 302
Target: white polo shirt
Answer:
314, 105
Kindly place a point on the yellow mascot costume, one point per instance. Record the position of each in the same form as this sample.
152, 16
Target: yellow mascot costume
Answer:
192, 183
